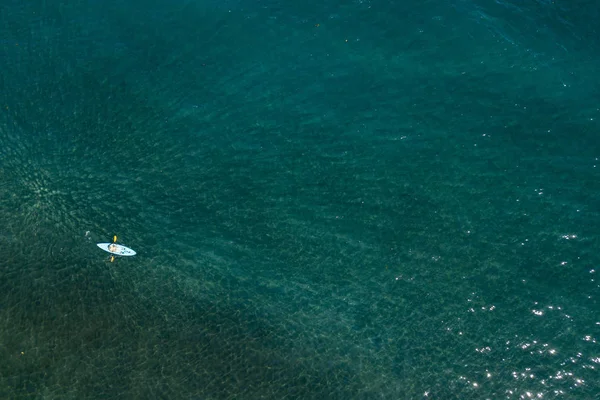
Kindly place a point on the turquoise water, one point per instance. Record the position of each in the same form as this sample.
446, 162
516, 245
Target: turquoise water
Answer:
329, 200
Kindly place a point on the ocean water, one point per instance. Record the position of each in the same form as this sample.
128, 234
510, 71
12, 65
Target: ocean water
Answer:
329, 200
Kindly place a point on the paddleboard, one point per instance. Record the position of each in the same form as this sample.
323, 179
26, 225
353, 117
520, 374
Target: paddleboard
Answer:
117, 249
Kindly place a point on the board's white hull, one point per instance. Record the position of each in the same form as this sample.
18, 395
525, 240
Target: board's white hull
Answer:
117, 249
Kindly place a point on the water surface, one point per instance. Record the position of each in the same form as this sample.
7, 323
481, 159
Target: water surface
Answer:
354, 200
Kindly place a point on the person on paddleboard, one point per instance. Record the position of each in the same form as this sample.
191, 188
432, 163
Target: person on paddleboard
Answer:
117, 249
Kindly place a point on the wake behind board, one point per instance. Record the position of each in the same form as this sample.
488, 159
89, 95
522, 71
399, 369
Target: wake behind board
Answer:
117, 249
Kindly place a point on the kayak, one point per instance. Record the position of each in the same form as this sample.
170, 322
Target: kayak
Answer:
117, 249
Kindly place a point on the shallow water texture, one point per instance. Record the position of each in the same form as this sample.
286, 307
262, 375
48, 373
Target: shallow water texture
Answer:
328, 200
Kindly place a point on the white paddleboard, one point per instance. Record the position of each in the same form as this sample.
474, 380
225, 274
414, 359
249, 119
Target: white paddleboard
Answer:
117, 249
